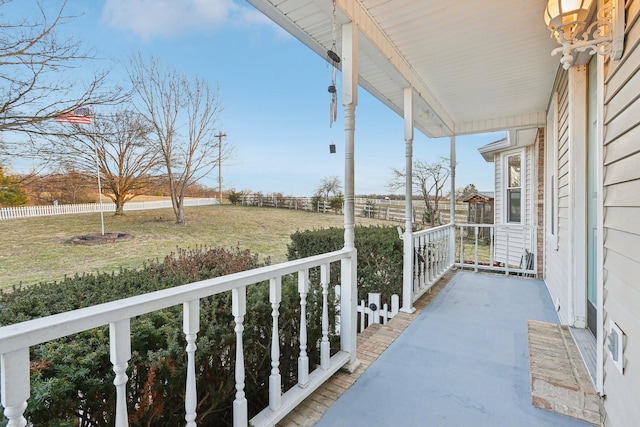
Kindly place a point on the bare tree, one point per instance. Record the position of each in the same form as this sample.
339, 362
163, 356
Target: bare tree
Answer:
35, 86
183, 114
429, 180
466, 192
330, 185
118, 145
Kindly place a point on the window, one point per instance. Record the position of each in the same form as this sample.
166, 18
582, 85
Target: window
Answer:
514, 188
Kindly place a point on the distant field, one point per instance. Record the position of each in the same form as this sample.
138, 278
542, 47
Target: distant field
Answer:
39, 249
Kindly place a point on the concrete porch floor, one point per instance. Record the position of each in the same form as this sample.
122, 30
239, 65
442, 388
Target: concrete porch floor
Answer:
460, 360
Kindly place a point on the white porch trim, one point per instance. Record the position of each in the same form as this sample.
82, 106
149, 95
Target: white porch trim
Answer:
577, 304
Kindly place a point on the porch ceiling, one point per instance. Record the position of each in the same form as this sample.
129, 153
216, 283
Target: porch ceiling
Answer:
476, 66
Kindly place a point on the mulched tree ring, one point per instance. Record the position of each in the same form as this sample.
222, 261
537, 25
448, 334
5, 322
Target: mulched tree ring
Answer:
100, 239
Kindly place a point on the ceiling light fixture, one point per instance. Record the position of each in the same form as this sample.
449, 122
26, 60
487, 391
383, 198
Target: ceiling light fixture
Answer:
567, 20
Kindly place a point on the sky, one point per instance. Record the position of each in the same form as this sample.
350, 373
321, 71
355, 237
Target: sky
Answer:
273, 91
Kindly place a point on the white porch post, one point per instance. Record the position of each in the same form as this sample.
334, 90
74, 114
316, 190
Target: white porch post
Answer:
577, 295
407, 266
452, 201
349, 291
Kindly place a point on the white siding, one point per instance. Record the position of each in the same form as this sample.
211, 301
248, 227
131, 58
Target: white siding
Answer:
529, 185
556, 255
518, 238
621, 225
497, 201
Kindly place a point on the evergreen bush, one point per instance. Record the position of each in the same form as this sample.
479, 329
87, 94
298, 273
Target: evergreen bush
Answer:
72, 377
379, 256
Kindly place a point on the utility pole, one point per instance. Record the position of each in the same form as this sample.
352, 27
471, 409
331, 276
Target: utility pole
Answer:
219, 136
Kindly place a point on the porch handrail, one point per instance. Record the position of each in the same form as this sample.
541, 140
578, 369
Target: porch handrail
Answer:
431, 257
512, 248
16, 339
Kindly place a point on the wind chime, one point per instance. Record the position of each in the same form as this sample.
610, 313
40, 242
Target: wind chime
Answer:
334, 60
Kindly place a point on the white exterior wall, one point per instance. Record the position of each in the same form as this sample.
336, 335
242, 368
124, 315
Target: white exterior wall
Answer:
622, 224
556, 250
517, 238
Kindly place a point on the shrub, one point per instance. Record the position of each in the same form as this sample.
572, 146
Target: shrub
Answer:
234, 197
379, 255
336, 203
72, 377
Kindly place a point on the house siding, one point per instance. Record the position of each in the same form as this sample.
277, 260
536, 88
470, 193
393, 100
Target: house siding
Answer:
539, 150
497, 205
557, 254
621, 226
518, 238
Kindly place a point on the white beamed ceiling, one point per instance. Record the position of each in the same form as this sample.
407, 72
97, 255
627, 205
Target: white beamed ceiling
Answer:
476, 65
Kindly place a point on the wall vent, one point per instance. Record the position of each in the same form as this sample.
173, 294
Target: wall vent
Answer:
615, 344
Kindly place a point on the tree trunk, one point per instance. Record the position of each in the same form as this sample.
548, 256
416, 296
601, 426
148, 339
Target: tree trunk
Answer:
119, 202
180, 218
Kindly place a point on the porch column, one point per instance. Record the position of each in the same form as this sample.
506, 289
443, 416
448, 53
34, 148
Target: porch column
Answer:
452, 201
577, 292
407, 265
349, 102
349, 291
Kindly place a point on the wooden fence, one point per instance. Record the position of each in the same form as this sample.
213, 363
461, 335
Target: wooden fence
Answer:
49, 210
389, 210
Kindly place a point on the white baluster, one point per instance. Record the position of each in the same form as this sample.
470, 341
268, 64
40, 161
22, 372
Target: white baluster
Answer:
303, 360
15, 386
191, 327
475, 253
325, 348
275, 379
120, 343
239, 309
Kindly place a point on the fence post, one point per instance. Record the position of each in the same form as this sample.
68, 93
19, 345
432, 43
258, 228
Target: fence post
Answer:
374, 306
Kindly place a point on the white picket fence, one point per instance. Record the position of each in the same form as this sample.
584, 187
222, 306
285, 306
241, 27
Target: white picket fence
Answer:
372, 312
49, 210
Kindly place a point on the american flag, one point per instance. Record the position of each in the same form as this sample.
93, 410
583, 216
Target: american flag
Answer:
79, 116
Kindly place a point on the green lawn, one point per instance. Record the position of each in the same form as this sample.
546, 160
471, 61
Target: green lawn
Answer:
39, 249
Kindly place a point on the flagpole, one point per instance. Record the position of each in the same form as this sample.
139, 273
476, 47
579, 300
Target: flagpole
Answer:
99, 189
93, 125
82, 116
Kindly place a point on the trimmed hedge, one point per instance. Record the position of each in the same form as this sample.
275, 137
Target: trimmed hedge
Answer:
72, 377
379, 256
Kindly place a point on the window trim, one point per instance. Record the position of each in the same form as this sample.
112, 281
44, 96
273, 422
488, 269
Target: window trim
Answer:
551, 143
505, 184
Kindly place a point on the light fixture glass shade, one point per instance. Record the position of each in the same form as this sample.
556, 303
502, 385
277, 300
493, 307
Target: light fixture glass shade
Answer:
604, 35
566, 17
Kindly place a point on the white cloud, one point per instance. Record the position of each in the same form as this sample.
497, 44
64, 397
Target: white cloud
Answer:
150, 18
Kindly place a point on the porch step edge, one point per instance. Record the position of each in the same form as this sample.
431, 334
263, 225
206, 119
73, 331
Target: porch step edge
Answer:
560, 381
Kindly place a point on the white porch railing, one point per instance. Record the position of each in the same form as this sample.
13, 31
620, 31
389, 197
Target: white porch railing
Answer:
508, 248
432, 257
16, 340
